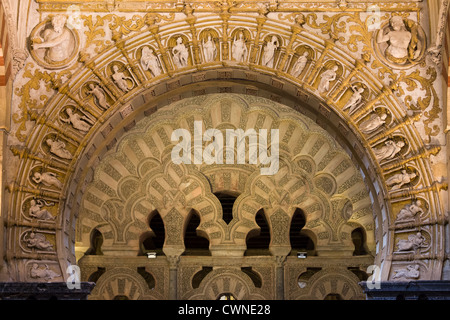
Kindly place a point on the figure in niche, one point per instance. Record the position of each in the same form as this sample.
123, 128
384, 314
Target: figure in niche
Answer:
411, 272
410, 211
210, 50
402, 44
39, 273
374, 122
400, 179
58, 148
120, 79
57, 40
48, 179
300, 64
180, 54
77, 121
355, 99
239, 50
414, 242
150, 62
99, 94
37, 212
269, 52
38, 241
389, 150
326, 78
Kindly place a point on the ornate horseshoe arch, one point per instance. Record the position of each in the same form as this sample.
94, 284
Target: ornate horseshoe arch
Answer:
118, 95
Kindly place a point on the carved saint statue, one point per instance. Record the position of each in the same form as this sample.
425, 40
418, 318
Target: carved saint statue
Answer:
150, 62
400, 179
269, 52
38, 273
58, 41
402, 44
239, 50
77, 121
180, 54
414, 242
47, 178
120, 79
38, 241
389, 150
58, 148
326, 78
209, 49
409, 211
300, 64
99, 95
374, 122
37, 212
355, 99
411, 272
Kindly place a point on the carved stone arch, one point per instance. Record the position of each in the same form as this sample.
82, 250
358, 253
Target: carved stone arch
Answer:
330, 281
226, 280
122, 282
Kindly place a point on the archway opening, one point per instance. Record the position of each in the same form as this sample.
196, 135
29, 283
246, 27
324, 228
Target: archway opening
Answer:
227, 201
300, 242
359, 241
195, 244
153, 241
258, 241
333, 296
96, 241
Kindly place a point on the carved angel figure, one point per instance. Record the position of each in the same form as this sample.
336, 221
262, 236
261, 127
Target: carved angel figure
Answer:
36, 210
99, 94
239, 50
47, 178
374, 122
410, 211
150, 62
39, 273
180, 54
58, 148
389, 150
355, 99
210, 50
77, 121
400, 179
120, 79
326, 78
38, 241
300, 64
411, 272
414, 242
57, 40
269, 52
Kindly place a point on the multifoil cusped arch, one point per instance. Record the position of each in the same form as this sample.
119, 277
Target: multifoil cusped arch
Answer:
62, 178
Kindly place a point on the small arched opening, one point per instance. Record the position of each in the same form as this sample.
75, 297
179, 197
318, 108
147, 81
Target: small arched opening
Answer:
258, 241
300, 242
96, 240
194, 242
153, 241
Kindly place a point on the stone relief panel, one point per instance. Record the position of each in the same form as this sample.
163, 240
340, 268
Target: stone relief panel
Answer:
400, 42
54, 45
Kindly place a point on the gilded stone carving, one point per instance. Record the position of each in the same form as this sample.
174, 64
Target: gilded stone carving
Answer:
401, 42
150, 62
54, 45
48, 179
36, 210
